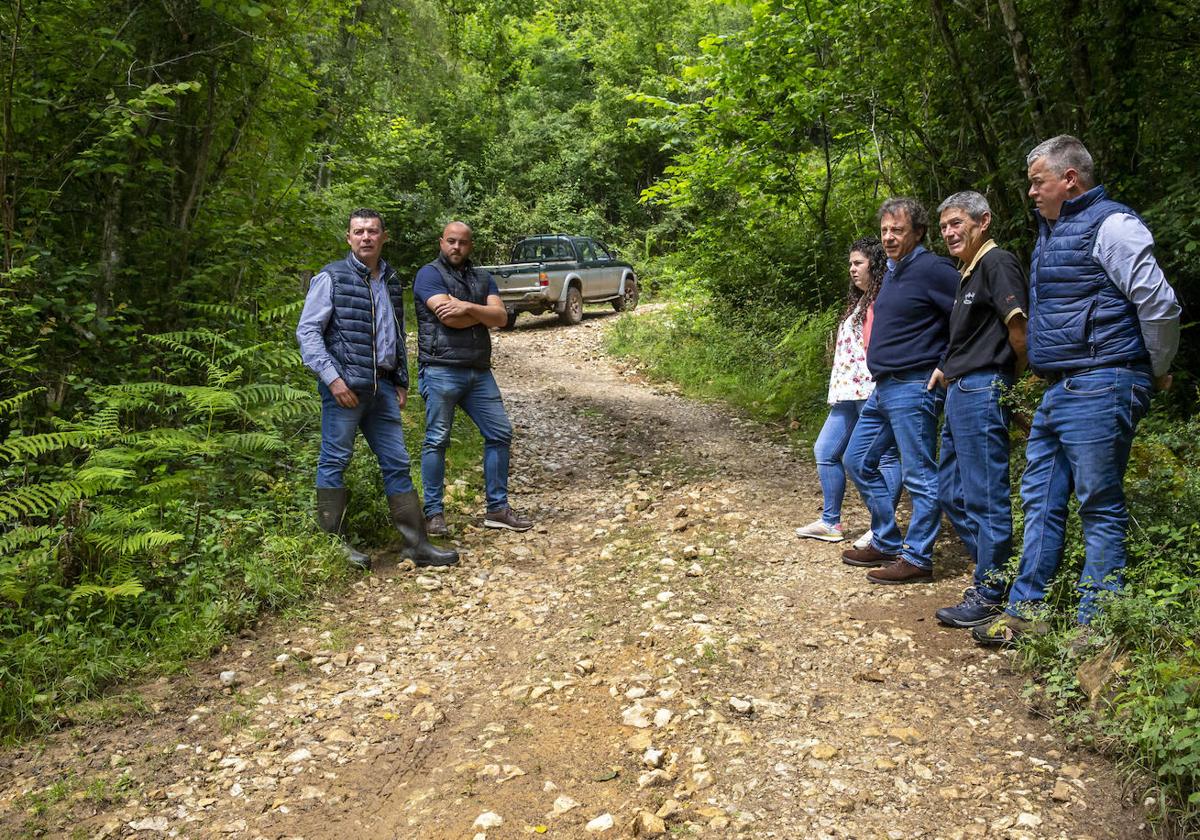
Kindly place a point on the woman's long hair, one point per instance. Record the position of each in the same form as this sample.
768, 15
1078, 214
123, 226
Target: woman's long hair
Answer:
858, 301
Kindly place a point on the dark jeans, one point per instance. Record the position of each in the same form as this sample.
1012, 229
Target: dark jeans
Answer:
1080, 439
444, 388
378, 416
900, 413
973, 476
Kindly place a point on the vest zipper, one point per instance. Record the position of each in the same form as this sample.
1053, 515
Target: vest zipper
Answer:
374, 357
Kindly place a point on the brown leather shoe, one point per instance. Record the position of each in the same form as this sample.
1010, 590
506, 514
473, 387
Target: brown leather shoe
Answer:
435, 526
867, 557
900, 572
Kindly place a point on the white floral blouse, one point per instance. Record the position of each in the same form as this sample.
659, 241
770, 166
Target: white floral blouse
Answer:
850, 379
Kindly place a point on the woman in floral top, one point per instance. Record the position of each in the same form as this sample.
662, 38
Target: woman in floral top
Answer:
850, 384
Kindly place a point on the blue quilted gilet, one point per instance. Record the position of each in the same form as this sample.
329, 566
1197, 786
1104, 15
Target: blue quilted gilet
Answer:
350, 333
1078, 317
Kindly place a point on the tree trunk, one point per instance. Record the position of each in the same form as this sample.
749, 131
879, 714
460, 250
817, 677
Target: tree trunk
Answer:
8, 162
1023, 65
977, 112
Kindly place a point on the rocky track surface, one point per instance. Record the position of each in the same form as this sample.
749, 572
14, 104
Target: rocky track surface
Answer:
659, 656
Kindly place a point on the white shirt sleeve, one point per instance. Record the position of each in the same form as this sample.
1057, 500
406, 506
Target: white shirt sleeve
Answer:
1125, 249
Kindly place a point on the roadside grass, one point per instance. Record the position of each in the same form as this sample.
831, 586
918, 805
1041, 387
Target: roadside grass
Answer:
1130, 688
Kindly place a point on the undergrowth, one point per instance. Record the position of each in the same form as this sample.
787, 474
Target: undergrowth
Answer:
170, 513
1129, 685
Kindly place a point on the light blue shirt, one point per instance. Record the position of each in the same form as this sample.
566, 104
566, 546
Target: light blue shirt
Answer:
318, 309
1125, 250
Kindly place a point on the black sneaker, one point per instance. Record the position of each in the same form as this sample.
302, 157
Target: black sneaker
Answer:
506, 518
435, 526
973, 611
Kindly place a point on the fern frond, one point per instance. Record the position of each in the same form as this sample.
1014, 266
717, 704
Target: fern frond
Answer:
169, 487
224, 311
253, 351
287, 312
172, 342
37, 445
11, 404
40, 499
126, 589
125, 546
271, 392
25, 535
251, 443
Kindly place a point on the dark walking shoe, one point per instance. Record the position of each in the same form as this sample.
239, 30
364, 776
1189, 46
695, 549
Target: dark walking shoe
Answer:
971, 612
1007, 630
867, 557
900, 572
506, 518
409, 520
435, 526
331, 517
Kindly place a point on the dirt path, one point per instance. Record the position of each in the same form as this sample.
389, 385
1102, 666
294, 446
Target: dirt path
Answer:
660, 643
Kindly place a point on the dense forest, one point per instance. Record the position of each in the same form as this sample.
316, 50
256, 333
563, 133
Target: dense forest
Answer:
171, 169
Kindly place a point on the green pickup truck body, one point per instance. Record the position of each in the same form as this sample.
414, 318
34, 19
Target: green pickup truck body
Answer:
561, 273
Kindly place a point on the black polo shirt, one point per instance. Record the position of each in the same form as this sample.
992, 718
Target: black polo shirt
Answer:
991, 290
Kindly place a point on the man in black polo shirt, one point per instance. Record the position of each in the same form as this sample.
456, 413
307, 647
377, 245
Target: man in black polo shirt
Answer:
985, 354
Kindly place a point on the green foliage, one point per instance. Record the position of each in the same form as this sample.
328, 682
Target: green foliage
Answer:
773, 368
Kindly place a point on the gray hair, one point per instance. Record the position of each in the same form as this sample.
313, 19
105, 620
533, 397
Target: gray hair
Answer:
969, 201
1065, 152
918, 216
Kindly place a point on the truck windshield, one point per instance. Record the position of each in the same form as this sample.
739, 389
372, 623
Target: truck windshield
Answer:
542, 250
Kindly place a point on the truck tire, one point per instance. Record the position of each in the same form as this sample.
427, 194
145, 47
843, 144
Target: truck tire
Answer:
629, 298
572, 312
512, 320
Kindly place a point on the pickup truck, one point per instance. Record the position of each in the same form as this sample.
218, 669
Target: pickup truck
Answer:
561, 273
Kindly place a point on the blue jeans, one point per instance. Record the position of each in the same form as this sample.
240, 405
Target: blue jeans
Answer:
900, 413
1080, 440
973, 476
829, 448
378, 416
443, 388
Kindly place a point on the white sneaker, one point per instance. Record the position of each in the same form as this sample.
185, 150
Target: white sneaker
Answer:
820, 531
864, 541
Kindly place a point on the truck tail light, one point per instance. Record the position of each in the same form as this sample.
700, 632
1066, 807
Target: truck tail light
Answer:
543, 280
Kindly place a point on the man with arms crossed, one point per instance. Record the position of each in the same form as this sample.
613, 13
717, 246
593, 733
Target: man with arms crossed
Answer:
456, 303
351, 336
1103, 330
985, 355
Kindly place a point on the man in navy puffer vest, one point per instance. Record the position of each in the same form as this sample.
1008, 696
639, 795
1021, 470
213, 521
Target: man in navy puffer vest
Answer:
351, 336
1103, 330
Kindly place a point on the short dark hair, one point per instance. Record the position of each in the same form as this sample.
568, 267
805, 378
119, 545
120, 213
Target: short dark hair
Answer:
918, 216
364, 213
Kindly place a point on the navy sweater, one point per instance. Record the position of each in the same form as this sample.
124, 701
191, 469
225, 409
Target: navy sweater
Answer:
911, 326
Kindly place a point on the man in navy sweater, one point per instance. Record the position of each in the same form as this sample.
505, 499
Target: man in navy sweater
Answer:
908, 340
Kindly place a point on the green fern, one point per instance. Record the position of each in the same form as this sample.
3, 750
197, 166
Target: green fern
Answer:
35, 446
11, 404
125, 589
26, 535
125, 546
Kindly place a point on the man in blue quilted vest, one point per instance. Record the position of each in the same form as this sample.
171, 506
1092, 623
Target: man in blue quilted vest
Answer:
1103, 330
351, 336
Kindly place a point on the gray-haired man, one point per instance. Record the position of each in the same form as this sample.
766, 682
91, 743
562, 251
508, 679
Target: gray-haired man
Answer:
1103, 331
985, 354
